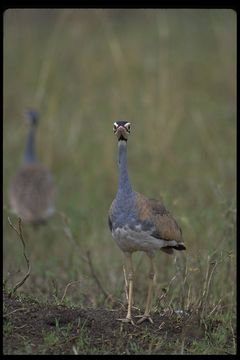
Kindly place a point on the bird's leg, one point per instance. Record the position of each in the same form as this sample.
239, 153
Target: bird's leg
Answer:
126, 283
127, 287
146, 315
130, 289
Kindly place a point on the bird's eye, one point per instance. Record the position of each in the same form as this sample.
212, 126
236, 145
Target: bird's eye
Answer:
128, 126
114, 127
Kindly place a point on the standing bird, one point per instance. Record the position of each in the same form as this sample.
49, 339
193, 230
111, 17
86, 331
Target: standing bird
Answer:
32, 190
138, 223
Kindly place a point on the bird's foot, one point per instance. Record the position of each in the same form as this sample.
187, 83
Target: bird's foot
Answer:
144, 318
126, 320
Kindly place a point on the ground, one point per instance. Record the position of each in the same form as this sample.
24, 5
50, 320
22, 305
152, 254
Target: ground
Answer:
42, 328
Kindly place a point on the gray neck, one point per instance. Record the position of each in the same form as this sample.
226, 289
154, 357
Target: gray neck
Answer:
124, 186
29, 154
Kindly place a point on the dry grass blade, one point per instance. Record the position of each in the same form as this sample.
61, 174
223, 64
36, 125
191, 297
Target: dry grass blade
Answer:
165, 291
85, 256
105, 293
14, 311
74, 350
69, 235
20, 234
215, 308
66, 288
233, 337
211, 267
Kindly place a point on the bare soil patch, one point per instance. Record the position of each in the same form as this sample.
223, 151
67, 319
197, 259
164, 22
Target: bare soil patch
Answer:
42, 328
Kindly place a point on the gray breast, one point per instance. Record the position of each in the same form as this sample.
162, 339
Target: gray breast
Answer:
128, 232
123, 212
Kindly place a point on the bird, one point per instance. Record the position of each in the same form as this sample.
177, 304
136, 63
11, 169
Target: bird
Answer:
32, 189
139, 223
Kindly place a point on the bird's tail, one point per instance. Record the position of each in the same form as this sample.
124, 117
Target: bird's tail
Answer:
169, 249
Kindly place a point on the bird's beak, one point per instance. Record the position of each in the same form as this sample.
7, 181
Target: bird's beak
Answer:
121, 133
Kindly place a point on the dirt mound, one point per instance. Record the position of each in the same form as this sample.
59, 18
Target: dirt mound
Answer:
41, 328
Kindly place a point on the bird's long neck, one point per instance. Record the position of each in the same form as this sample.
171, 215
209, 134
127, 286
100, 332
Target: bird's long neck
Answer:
124, 185
29, 154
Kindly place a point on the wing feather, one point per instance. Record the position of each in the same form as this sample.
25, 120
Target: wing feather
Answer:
154, 212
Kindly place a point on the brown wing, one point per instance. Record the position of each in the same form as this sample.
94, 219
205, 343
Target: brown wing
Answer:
155, 213
32, 193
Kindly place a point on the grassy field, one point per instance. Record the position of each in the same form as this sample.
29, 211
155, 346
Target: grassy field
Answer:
172, 74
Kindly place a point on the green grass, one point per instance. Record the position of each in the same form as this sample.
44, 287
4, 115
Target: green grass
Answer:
8, 328
172, 74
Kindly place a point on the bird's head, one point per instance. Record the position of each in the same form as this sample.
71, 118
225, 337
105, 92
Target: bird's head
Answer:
122, 129
32, 117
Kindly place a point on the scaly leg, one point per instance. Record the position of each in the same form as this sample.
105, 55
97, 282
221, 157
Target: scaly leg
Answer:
146, 315
130, 289
126, 283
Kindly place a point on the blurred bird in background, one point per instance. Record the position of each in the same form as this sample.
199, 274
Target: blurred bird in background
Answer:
32, 189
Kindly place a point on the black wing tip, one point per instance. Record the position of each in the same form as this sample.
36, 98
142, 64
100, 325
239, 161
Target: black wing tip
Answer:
110, 223
180, 247
176, 247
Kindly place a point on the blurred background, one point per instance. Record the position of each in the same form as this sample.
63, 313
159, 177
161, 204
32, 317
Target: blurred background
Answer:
172, 74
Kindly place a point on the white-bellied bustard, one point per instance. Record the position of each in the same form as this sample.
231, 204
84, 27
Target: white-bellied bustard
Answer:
32, 189
138, 223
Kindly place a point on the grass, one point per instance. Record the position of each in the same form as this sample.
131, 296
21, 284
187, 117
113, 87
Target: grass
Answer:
8, 328
172, 74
